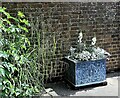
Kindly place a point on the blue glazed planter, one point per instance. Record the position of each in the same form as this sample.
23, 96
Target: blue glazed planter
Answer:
82, 73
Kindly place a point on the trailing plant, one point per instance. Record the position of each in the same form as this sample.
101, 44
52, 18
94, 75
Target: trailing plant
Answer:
17, 65
85, 51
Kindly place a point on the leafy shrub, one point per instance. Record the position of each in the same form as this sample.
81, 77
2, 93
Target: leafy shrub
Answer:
17, 69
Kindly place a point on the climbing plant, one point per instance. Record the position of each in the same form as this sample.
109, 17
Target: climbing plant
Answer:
18, 66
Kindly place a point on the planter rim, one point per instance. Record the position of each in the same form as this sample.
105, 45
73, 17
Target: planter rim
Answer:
78, 61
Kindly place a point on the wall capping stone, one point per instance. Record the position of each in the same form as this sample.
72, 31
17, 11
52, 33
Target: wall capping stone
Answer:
59, 0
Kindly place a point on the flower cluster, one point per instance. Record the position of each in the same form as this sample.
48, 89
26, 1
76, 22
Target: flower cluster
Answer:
85, 52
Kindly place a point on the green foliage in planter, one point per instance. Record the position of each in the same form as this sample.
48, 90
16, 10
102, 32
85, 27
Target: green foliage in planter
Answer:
86, 52
17, 69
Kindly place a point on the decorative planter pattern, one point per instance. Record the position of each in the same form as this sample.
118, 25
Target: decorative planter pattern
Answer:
82, 73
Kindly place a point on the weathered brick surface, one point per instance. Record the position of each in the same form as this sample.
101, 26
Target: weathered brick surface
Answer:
67, 19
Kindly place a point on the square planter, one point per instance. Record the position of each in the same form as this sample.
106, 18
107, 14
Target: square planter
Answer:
82, 73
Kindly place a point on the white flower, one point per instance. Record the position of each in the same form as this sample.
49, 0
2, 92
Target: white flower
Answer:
80, 34
72, 50
94, 41
80, 37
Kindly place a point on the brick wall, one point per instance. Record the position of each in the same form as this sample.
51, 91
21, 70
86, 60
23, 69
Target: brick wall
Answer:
67, 19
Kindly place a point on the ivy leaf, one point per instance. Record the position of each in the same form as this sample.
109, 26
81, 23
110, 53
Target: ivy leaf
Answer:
23, 47
23, 59
1, 42
5, 20
0, 85
12, 67
1, 66
36, 89
27, 41
5, 64
2, 9
13, 18
0, 30
2, 72
24, 21
18, 91
18, 30
23, 28
20, 14
4, 12
13, 30
4, 54
16, 56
